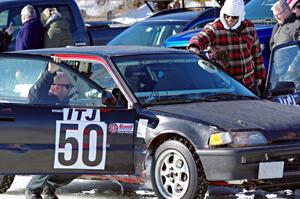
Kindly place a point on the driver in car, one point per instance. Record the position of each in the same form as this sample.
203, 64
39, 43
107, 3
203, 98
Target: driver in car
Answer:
52, 87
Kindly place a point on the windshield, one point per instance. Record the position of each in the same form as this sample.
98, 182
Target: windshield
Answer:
180, 78
285, 65
260, 10
148, 33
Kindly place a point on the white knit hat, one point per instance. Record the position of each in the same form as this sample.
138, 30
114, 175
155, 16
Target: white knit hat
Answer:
233, 8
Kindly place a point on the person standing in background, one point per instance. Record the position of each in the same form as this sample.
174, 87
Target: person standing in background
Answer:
233, 43
288, 26
31, 34
286, 30
57, 29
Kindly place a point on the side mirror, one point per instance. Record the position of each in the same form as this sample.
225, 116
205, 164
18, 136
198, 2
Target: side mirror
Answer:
108, 99
282, 88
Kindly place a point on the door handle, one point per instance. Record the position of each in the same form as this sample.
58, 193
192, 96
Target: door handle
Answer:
80, 43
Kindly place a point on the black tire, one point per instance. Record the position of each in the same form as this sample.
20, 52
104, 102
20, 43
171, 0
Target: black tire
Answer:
176, 167
6, 182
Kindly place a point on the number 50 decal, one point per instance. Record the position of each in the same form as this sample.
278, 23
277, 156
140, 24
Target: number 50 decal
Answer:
80, 145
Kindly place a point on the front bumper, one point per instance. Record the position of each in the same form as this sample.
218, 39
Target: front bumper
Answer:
225, 164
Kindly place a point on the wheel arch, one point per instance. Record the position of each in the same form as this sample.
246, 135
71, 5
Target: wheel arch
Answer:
169, 135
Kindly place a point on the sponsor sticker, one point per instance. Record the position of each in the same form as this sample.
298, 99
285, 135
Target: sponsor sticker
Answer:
112, 128
125, 128
142, 128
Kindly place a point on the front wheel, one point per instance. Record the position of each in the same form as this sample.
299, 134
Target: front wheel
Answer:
177, 172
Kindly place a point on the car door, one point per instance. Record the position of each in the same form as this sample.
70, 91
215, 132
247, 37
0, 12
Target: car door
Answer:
284, 69
83, 136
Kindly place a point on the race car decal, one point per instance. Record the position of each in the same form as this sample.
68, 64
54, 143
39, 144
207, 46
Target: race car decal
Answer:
142, 128
125, 128
80, 141
288, 100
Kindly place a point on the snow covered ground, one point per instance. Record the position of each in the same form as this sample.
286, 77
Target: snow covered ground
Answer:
91, 8
91, 189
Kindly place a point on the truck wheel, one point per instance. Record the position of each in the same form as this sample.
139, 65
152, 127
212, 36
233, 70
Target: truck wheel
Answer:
6, 182
177, 172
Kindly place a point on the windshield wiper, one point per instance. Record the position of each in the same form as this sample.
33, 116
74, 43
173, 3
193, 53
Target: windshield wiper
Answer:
227, 96
156, 99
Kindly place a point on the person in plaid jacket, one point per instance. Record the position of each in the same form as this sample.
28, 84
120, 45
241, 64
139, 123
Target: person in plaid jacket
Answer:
232, 42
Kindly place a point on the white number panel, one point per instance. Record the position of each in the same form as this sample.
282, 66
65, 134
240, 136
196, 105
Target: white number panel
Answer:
80, 141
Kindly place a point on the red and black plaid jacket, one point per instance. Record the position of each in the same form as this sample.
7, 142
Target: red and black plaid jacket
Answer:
244, 57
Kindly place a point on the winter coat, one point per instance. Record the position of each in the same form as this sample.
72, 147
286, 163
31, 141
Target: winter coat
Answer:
287, 32
241, 46
31, 35
57, 33
4, 40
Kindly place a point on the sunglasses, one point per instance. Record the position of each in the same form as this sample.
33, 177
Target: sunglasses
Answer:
67, 86
232, 17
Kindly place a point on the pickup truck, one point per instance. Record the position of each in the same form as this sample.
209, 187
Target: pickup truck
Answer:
91, 33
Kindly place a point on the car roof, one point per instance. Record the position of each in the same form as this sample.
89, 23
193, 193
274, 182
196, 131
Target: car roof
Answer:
103, 50
182, 16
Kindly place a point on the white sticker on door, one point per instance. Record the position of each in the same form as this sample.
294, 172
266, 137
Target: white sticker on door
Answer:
142, 128
80, 141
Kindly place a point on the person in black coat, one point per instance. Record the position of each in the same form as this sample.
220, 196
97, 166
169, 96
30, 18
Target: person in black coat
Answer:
51, 88
5, 38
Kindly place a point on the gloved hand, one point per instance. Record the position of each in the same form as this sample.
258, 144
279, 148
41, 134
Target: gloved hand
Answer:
194, 49
218, 55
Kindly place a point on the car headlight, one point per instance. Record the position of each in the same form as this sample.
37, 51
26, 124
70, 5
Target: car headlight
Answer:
238, 139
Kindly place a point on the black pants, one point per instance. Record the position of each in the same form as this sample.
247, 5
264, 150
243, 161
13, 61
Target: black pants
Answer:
40, 182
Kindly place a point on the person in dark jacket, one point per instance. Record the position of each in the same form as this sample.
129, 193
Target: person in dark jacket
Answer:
288, 26
57, 30
51, 88
5, 38
31, 35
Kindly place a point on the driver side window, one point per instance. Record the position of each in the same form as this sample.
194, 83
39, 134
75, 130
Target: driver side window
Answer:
85, 91
286, 66
17, 77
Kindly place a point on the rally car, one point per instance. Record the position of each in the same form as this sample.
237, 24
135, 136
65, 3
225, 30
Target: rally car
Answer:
161, 113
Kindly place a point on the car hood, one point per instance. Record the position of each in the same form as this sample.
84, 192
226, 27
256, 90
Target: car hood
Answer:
273, 119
